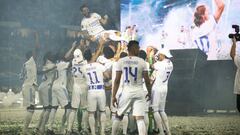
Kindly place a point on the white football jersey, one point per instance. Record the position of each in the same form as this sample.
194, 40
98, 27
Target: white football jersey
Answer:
204, 38
49, 76
61, 74
92, 24
29, 72
163, 70
114, 75
94, 75
77, 68
132, 69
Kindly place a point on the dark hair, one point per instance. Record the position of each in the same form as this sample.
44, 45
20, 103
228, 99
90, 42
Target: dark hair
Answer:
87, 54
83, 6
198, 15
142, 54
47, 56
29, 54
132, 44
108, 52
123, 54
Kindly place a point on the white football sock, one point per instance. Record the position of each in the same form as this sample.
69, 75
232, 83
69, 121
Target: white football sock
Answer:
51, 118
71, 119
44, 121
115, 126
40, 119
146, 120
165, 122
85, 119
158, 121
28, 119
125, 124
141, 127
92, 123
103, 122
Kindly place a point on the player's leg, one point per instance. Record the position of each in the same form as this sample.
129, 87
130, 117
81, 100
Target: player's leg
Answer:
156, 115
165, 122
40, 120
47, 101
67, 110
138, 112
132, 124
123, 105
28, 119
163, 96
41, 95
79, 119
125, 123
85, 123
64, 101
74, 106
91, 120
45, 119
146, 120
83, 106
92, 107
29, 101
51, 119
102, 106
116, 123
71, 119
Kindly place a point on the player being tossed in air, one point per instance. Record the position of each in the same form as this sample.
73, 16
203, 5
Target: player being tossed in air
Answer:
162, 71
203, 35
91, 26
133, 69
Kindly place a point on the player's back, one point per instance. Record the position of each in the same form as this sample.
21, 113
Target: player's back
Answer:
61, 74
163, 71
49, 76
94, 75
30, 72
132, 68
77, 69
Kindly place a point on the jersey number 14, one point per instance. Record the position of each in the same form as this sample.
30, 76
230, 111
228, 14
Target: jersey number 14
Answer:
130, 74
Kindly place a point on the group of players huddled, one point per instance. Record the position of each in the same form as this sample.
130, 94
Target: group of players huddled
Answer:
92, 76
116, 75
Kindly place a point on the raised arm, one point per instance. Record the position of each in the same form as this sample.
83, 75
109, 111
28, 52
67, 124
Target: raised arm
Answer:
219, 9
104, 19
69, 55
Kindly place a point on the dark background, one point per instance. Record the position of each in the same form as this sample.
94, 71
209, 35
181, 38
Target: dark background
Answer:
44, 19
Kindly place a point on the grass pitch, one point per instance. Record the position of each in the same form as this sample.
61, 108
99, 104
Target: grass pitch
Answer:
11, 123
